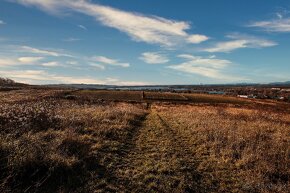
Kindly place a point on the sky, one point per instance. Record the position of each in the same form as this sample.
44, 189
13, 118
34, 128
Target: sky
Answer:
150, 42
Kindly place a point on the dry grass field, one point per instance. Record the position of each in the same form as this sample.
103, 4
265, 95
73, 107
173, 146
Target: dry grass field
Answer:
113, 141
155, 96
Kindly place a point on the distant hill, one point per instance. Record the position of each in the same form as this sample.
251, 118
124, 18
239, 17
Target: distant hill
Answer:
280, 83
6, 82
167, 87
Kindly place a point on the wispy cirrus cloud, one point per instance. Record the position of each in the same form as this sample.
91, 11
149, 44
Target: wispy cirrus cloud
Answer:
154, 58
29, 59
71, 39
206, 61
38, 51
2, 22
109, 61
131, 83
43, 77
52, 64
97, 66
117, 81
15, 55
240, 41
276, 25
82, 27
205, 66
12, 61
141, 28
18, 55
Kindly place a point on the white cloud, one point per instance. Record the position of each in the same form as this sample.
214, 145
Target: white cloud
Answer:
132, 83
240, 41
204, 71
42, 51
109, 61
51, 64
279, 15
2, 22
71, 39
149, 29
207, 67
187, 56
43, 77
11, 61
275, 25
82, 27
196, 39
112, 79
72, 62
209, 62
116, 81
98, 66
27, 60
104, 59
8, 61
40, 76
154, 58
76, 80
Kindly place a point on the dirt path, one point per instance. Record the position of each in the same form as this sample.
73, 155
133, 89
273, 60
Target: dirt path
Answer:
158, 160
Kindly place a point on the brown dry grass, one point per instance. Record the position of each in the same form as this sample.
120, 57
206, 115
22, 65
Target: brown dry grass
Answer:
240, 150
61, 146
109, 95
137, 96
203, 98
53, 143
164, 96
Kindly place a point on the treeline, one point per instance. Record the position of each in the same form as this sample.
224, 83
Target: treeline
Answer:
6, 81
7, 84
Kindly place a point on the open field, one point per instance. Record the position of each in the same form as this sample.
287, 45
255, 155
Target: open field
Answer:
120, 141
147, 96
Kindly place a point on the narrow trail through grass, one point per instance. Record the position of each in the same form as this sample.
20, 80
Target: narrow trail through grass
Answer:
158, 161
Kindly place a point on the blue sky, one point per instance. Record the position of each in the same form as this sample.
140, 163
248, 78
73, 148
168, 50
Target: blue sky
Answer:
146, 42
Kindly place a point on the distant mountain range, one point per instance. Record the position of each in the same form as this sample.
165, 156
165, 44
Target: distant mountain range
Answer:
280, 83
166, 87
5, 82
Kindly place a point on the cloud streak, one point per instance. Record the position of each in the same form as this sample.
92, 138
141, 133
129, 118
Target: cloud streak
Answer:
19, 61
275, 25
82, 27
153, 58
42, 77
51, 64
109, 61
204, 66
29, 59
71, 39
240, 41
141, 28
38, 76
32, 50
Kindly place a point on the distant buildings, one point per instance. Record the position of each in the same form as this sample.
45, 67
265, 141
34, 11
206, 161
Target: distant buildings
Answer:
243, 96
